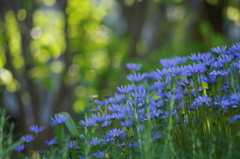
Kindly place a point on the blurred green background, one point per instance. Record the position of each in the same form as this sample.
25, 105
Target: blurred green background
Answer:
55, 54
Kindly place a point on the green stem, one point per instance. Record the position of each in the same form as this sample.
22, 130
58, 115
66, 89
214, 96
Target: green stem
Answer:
36, 143
3, 114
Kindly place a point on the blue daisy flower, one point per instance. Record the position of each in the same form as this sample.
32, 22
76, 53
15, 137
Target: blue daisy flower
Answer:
126, 89
195, 57
127, 123
99, 154
58, 119
134, 66
28, 138
114, 132
89, 122
100, 118
95, 141
52, 141
219, 50
136, 77
207, 59
20, 148
36, 128
106, 123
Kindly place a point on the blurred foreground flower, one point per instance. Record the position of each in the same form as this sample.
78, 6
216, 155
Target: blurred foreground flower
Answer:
36, 128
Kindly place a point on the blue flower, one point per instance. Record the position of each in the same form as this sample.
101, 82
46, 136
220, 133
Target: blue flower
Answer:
197, 103
140, 102
96, 109
231, 121
133, 66
36, 128
88, 123
41, 152
180, 60
116, 108
194, 69
235, 106
118, 116
28, 138
122, 145
151, 75
164, 116
163, 73
77, 148
212, 79
191, 108
100, 118
219, 50
141, 92
72, 144
52, 141
106, 123
101, 103
127, 123
156, 136
204, 99
136, 77
168, 63
160, 85
20, 148
195, 57
236, 46
133, 145
161, 94
235, 118
236, 65
156, 113
154, 104
200, 89
235, 97
177, 119
177, 70
177, 96
219, 73
59, 119
217, 64
99, 154
225, 104
109, 140
224, 59
207, 59
126, 89
114, 133
140, 128
232, 52
95, 141
117, 99
172, 62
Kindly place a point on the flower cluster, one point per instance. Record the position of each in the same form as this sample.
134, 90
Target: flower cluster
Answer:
56, 120
203, 94
191, 94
